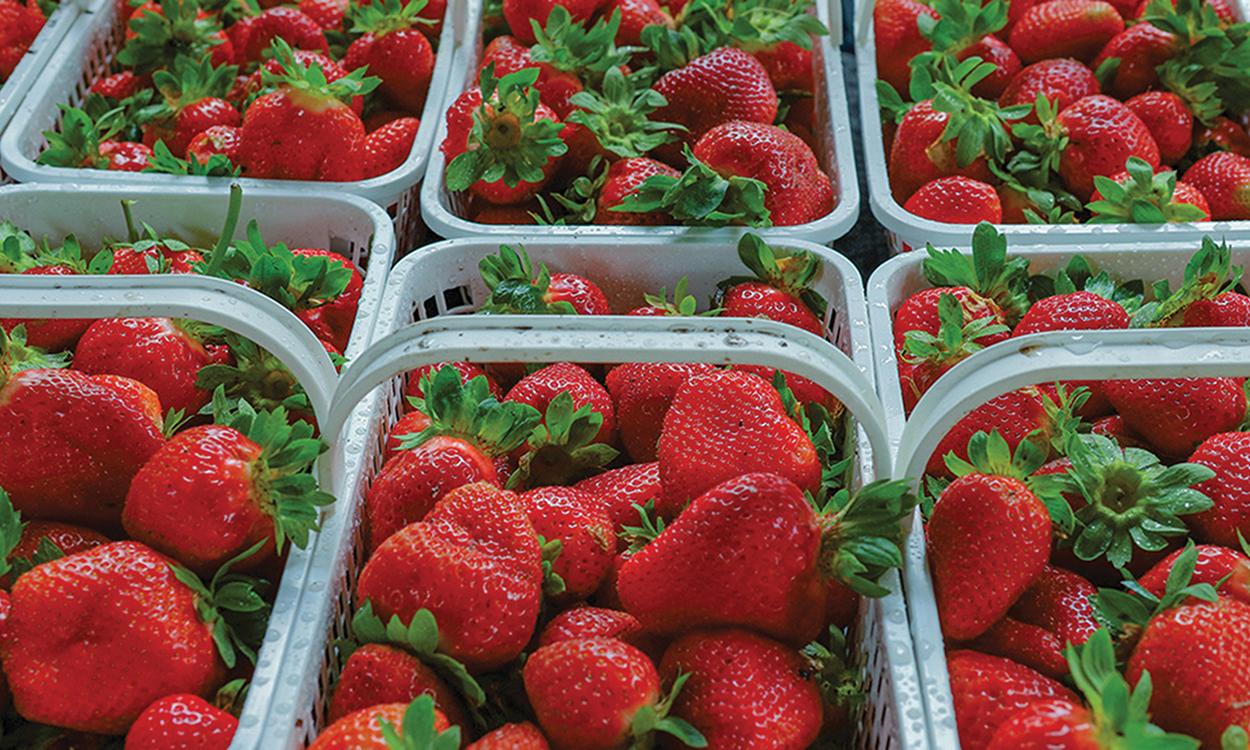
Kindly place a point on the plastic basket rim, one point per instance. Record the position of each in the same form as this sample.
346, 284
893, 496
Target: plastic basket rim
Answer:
384, 189
915, 231
824, 230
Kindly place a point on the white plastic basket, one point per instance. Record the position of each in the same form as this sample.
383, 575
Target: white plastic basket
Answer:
1037, 358
906, 231
442, 279
271, 326
442, 209
34, 61
352, 227
84, 56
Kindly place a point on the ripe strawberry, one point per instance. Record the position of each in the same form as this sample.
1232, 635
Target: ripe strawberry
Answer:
192, 103
898, 39
1026, 644
555, 85
163, 354
474, 562
121, 615
256, 84
1169, 121
624, 177
1215, 565
1101, 135
725, 85
724, 424
995, 51
1065, 28
378, 673
30, 540
956, 200
395, 50
781, 289
182, 722
387, 148
591, 622
1225, 454
119, 86
1178, 414
1141, 50
987, 690
642, 393
1225, 309
218, 139
921, 154
516, 289
981, 516
697, 572
286, 23
587, 693
1221, 135
744, 690
636, 15
1223, 179
523, 736
327, 13
924, 357
540, 388
587, 538
212, 492
305, 130
620, 490
1061, 80
1197, 655
1142, 196
521, 15
409, 723
71, 443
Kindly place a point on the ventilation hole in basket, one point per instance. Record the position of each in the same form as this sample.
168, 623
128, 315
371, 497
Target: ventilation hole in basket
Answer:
427, 309
461, 296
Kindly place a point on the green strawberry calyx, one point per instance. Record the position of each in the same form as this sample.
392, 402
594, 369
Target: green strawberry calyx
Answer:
754, 25
257, 377
955, 341
162, 38
839, 682
385, 16
617, 115
988, 271
1209, 273
299, 282
1119, 712
568, 46
163, 161
1209, 65
863, 537
1130, 611
507, 142
283, 472
469, 412
649, 720
979, 125
17, 249
11, 525
1077, 275
649, 527
515, 289
184, 84
990, 455
418, 731
682, 305
701, 197
561, 451
790, 271
1133, 499
309, 82
233, 605
16, 355
1146, 199
959, 25
420, 637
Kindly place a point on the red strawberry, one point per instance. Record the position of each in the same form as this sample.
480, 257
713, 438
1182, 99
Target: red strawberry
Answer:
1141, 49
636, 15
1102, 134
1213, 565
163, 354
898, 38
591, 622
21, 23
192, 103
257, 85
744, 690
395, 50
1061, 80
304, 130
725, 424
782, 292
1141, 195
956, 200
362, 730
182, 722
1224, 180
1177, 414
1221, 135
642, 393
555, 85
119, 615
621, 489
118, 86
123, 156
919, 154
995, 51
467, 370
331, 318
68, 538
925, 357
1058, 601
587, 538
515, 288
379, 673
540, 388
1065, 28
623, 177
523, 736
1169, 121
327, 13
387, 148
1026, 644
987, 690
1225, 453
522, 14
212, 492
1015, 415
285, 23
218, 139
159, 33
725, 85
474, 562
1226, 309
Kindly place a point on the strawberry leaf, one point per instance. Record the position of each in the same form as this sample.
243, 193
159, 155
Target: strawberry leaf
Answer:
568, 46
617, 115
861, 541
701, 197
233, 605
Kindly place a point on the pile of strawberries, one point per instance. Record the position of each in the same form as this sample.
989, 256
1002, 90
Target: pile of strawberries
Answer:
584, 556
329, 90
1096, 491
1045, 111
153, 473
640, 112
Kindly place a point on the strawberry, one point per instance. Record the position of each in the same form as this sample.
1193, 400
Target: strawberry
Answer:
540, 388
182, 722
1141, 49
987, 690
212, 492
591, 622
924, 357
781, 289
501, 131
956, 200
192, 103
744, 690
523, 15
622, 489
624, 177
474, 562
334, 318
119, 86
995, 51
1169, 121
123, 615
636, 15
1065, 28
984, 514
256, 85
286, 23
1221, 135
387, 726
598, 693
387, 148
395, 50
724, 424
1205, 297
1061, 80
328, 14
70, 443
516, 289
898, 39
1217, 566
578, 520
725, 85
698, 572
555, 85
1141, 196
641, 394
159, 33
1024, 643
523, 736
163, 354
1224, 453
1177, 414
921, 153
304, 130
1223, 178
31, 543
397, 664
